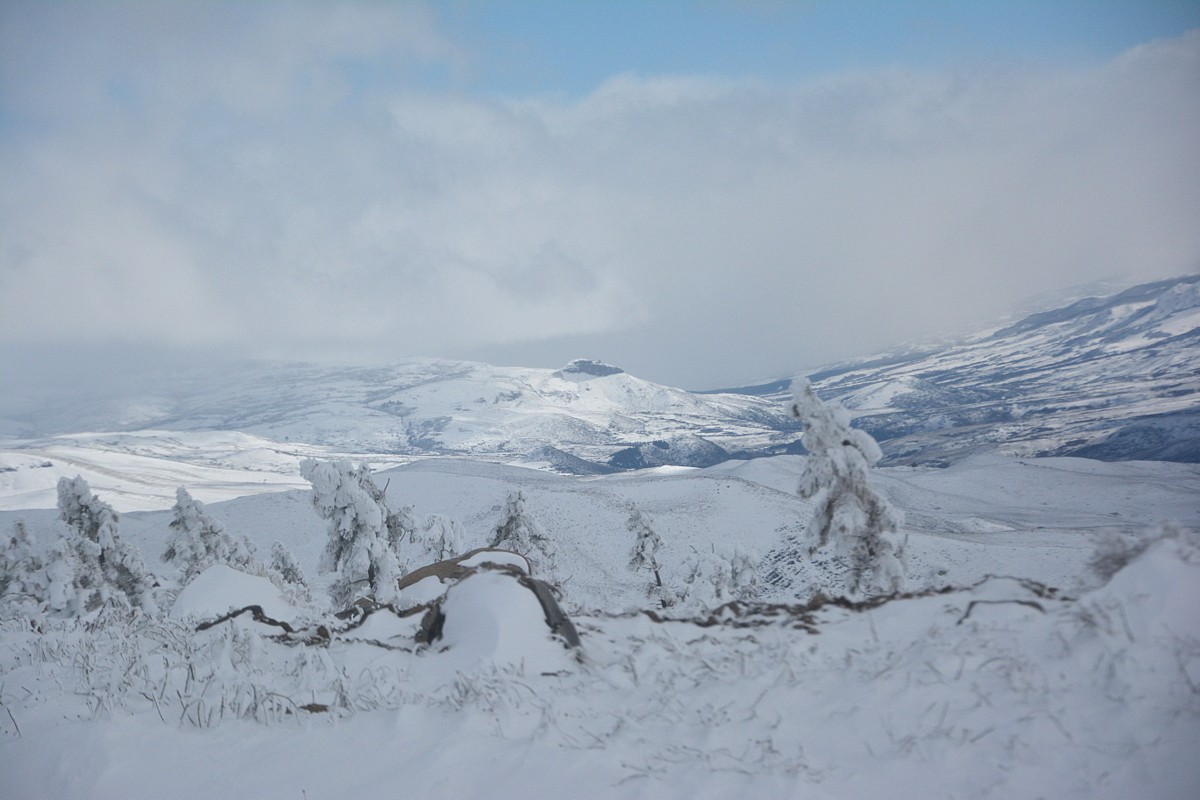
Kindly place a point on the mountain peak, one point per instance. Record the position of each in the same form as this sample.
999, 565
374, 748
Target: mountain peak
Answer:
589, 368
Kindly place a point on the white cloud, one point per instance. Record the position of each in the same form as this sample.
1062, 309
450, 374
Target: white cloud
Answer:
287, 181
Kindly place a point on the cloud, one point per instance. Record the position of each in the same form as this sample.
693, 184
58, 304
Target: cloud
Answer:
317, 181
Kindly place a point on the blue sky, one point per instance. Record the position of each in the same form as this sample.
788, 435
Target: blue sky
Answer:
705, 194
572, 47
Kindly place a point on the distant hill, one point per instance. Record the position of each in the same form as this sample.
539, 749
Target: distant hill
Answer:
1111, 378
585, 412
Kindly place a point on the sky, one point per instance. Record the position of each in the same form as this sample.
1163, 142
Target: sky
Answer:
706, 194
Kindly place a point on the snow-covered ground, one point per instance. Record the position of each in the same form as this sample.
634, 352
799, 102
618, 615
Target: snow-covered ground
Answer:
996, 687
140, 470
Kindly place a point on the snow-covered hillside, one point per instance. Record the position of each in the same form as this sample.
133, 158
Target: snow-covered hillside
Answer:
142, 470
243, 432
1114, 378
421, 406
1048, 682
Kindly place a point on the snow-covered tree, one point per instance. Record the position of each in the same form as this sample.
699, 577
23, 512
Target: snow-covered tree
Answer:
645, 547
711, 579
1113, 551
286, 573
364, 535
105, 568
438, 539
520, 533
198, 541
62, 591
284, 564
402, 530
862, 523
743, 574
22, 579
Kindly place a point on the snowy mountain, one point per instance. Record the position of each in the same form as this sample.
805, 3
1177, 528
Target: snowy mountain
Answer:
426, 406
1114, 378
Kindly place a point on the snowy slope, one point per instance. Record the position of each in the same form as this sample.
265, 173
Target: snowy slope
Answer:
244, 431
1113, 378
141, 470
999, 688
990, 515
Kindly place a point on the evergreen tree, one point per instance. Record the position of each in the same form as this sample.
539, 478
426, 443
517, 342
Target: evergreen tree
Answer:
862, 523
199, 541
520, 533
284, 564
713, 579
645, 547
63, 593
402, 530
105, 568
286, 573
743, 574
438, 539
364, 535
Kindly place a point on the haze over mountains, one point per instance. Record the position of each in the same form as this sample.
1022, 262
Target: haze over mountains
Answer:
1113, 378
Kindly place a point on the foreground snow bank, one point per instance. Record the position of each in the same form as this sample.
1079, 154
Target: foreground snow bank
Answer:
221, 589
492, 619
1003, 690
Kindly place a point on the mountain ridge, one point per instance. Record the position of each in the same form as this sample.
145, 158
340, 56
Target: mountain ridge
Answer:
587, 409
1113, 378
1110, 378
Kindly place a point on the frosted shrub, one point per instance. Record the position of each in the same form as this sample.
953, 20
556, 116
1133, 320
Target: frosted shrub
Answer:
199, 541
1114, 551
22, 578
364, 535
62, 593
103, 567
713, 579
860, 521
646, 543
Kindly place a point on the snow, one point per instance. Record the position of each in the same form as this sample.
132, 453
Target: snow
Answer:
996, 689
876, 397
497, 557
423, 591
493, 620
385, 626
142, 471
221, 589
928, 697
417, 407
